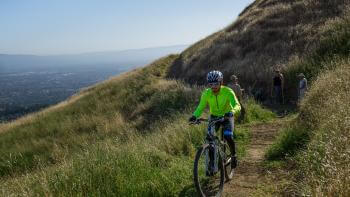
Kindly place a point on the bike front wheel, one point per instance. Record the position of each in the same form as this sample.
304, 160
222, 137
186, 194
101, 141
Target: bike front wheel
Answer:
208, 172
229, 171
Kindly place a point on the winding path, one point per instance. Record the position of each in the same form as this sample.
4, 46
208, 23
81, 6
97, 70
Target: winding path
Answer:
249, 173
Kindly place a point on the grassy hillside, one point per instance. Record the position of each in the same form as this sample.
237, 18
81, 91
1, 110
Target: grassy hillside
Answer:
266, 35
127, 136
317, 142
326, 160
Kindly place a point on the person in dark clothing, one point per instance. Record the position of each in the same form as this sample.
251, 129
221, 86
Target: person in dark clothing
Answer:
277, 89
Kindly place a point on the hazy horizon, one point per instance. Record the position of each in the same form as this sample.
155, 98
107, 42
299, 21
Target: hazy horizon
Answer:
29, 83
105, 51
39, 27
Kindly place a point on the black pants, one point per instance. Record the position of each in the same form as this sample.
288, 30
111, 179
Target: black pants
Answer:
227, 129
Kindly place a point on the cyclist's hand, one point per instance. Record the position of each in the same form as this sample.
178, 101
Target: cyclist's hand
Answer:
192, 119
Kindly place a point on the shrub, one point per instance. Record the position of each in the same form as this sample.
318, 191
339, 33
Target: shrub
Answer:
289, 142
255, 112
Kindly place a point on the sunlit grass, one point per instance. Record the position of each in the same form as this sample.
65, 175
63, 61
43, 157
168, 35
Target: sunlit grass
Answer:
317, 141
126, 136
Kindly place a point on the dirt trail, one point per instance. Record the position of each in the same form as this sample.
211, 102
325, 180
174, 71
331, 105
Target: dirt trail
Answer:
249, 173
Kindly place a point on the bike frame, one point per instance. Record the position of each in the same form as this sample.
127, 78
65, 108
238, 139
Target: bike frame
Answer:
220, 159
218, 143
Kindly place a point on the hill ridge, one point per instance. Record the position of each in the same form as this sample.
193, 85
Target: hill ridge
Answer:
267, 35
130, 135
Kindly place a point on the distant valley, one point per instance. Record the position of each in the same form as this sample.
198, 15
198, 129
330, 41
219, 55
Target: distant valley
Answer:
29, 83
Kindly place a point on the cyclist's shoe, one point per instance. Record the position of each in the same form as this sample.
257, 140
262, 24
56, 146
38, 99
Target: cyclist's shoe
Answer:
234, 162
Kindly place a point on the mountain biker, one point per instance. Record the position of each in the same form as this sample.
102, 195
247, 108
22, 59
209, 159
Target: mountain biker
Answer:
222, 102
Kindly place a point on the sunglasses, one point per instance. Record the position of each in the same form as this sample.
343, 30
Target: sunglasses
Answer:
213, 84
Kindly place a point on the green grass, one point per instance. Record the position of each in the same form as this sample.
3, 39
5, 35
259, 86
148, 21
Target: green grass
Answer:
129, 136
127, 171
316, 141
334, 45
289, 142
159, 164
255, 112
126, 136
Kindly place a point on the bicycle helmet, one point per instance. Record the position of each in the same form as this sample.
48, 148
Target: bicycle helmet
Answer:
214, 76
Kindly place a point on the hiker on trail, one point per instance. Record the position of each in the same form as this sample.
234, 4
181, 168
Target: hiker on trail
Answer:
239, 93
222, 101
277, 89
302, 86
236, 87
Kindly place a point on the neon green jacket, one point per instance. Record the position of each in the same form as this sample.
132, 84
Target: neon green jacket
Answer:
225, 101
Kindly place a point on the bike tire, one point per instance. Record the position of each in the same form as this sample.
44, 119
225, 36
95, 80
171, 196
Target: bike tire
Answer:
227, 164
200, 184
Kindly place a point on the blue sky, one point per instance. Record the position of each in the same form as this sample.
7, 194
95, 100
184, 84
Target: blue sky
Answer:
45, 27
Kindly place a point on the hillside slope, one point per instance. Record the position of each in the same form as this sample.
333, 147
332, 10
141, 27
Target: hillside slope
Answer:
317, 144
129, 136
267, 34
132, 127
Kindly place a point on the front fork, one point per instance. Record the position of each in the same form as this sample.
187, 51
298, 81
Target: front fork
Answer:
212, 157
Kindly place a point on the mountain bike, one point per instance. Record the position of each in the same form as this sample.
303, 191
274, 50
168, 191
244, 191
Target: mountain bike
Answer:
212, 163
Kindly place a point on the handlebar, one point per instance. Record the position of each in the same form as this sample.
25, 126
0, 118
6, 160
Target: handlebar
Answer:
211, 121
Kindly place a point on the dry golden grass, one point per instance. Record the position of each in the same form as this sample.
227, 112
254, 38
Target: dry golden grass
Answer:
266, 35
98, 112
326, 112
126, 136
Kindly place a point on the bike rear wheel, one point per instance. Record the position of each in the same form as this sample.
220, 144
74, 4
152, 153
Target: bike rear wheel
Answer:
208, 182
